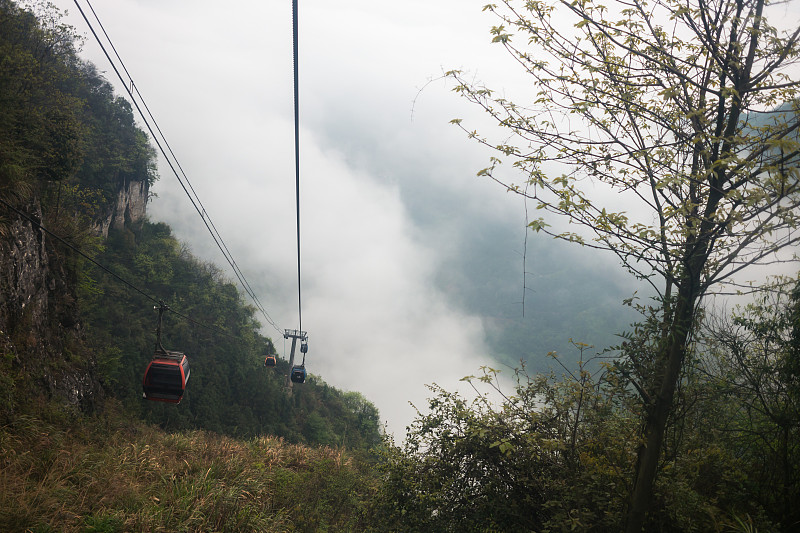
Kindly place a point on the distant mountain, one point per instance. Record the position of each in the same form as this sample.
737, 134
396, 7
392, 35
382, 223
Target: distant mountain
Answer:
568, 293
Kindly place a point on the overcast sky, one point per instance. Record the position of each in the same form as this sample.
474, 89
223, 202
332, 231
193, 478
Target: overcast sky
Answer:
389, 193
379, 162
391, 208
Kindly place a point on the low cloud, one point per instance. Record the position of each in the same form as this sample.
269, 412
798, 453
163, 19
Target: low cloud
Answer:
376, 321
387, 202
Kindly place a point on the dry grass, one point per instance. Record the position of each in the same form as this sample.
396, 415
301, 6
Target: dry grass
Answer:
122, 476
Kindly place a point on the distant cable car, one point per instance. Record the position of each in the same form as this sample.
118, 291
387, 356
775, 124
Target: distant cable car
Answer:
299, 374
304, 347
166, 375
270, 361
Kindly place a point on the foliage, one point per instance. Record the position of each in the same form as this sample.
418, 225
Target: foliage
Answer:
39, 128
63, 133
687, 112
659, 116
551, 457
556, 455
752, 360
229, 391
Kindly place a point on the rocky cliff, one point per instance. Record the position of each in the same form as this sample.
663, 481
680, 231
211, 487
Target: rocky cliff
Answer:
40, 330
69, 147
130, 207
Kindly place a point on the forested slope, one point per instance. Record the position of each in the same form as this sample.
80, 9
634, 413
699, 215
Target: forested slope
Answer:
230, 390
82, 266
80, 270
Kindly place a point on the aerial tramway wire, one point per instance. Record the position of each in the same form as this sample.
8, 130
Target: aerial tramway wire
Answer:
297, 374
193, 197
297, 157
119, 278
202, 211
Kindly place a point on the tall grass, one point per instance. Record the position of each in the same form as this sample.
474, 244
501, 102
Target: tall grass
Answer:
112, 475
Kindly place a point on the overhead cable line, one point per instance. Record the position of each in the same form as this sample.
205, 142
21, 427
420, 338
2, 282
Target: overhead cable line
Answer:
193, 196
119, 278
184, 182
297, 374
297, 156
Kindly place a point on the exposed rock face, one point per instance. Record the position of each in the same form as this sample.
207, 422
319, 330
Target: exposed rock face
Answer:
130, 207
39, 319
39, 316
23, 272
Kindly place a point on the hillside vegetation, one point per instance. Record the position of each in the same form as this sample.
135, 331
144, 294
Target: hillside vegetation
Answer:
230, 391
69, 148
81, 451
112, 474
79, 448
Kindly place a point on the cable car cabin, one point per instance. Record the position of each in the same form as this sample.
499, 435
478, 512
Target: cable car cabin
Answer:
270, 361
299, 374
166, 376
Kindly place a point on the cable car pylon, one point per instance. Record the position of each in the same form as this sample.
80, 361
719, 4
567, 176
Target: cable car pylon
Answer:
297, 373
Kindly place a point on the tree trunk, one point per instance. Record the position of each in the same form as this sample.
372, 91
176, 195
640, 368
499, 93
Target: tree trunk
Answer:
658, 413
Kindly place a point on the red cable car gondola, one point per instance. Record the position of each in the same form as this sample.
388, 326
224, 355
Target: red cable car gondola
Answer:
270, 361
166, 375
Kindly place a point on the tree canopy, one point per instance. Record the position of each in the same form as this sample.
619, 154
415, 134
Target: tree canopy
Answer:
555, 454
686, 113
64, 135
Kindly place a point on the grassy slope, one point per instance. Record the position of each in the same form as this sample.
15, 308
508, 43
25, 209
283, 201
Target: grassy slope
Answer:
109, 473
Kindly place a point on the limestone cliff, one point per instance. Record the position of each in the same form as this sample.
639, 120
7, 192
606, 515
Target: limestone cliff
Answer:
39, 325
68, 148
130, 207
40, 330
